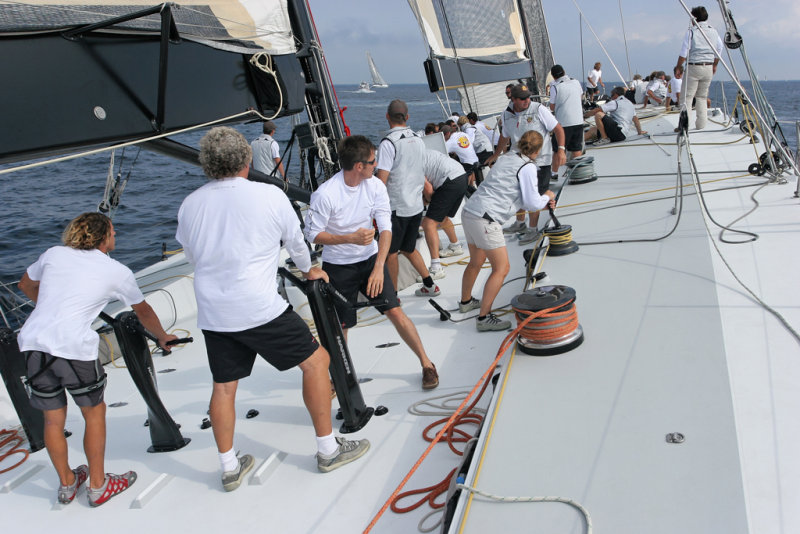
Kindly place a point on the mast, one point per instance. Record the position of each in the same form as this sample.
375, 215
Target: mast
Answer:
377, 79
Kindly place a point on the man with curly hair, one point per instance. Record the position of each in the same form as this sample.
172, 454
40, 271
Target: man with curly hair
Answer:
231, 229
71, 285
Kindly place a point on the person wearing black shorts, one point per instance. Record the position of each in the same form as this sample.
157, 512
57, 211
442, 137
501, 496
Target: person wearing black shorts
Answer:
566, 105
340, 217
399, 167
445, 186
249, 317
615, 120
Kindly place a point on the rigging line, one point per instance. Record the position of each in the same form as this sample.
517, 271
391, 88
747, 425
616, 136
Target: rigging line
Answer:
580, 30
455, 53
131, 143
773, 138
752, 294
656, 199
701, 196
625, 38
678, 200
621, 77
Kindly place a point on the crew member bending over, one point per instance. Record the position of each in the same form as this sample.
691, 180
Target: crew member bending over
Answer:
511, 184
446, 185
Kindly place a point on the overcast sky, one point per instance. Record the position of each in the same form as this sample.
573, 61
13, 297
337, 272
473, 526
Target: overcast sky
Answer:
654, 30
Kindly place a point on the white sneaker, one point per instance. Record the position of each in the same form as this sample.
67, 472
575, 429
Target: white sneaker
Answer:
453, 249
428, 291
518, 226
529, 236
491, 323
436, 274
473, 304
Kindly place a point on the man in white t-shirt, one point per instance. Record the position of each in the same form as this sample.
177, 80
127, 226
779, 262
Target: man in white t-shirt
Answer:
674, 87
595, 78
71, 285
266, 152
231, 230
340, 218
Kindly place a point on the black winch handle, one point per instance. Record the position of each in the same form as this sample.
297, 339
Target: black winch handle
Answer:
553, 217
142, 330
295, 281
180, 341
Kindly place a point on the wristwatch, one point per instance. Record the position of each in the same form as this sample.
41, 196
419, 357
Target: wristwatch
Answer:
562, 148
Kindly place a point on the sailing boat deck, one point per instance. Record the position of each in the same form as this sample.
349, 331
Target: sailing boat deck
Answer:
672, 345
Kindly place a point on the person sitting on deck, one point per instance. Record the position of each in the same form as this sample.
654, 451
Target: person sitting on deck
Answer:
639, 88
674, 87
656, 90
615, 120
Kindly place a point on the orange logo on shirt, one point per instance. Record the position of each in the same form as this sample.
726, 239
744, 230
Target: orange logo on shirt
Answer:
463, 141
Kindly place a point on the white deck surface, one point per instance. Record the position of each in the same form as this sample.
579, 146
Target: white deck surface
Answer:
672, 345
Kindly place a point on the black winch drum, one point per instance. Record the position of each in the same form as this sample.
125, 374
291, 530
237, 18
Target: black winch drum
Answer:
559, 249
536, 300
580, 170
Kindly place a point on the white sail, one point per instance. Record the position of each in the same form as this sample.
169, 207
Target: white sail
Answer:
377, 79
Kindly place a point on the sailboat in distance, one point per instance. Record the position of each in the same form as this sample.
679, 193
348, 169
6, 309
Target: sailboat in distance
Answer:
377, 79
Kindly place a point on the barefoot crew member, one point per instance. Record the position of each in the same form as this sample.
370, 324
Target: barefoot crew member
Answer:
70, 286
231, 230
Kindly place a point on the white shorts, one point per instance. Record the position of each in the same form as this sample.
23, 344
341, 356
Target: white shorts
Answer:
484, 234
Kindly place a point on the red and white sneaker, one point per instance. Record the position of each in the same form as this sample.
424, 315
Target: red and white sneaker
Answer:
428, 291
67, 493
113, 485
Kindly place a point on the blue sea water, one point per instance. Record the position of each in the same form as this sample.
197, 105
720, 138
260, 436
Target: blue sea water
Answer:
37, 203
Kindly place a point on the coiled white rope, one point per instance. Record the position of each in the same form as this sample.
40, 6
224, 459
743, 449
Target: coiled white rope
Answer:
499, 498
263, 62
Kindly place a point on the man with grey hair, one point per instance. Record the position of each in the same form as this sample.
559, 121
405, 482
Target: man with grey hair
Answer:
231, 229
400, 158
266, 152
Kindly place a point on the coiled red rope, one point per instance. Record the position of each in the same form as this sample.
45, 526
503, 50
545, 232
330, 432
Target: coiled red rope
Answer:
549, 326
14, 443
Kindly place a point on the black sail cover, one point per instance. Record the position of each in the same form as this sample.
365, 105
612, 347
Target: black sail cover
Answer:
479, 47
121, 81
